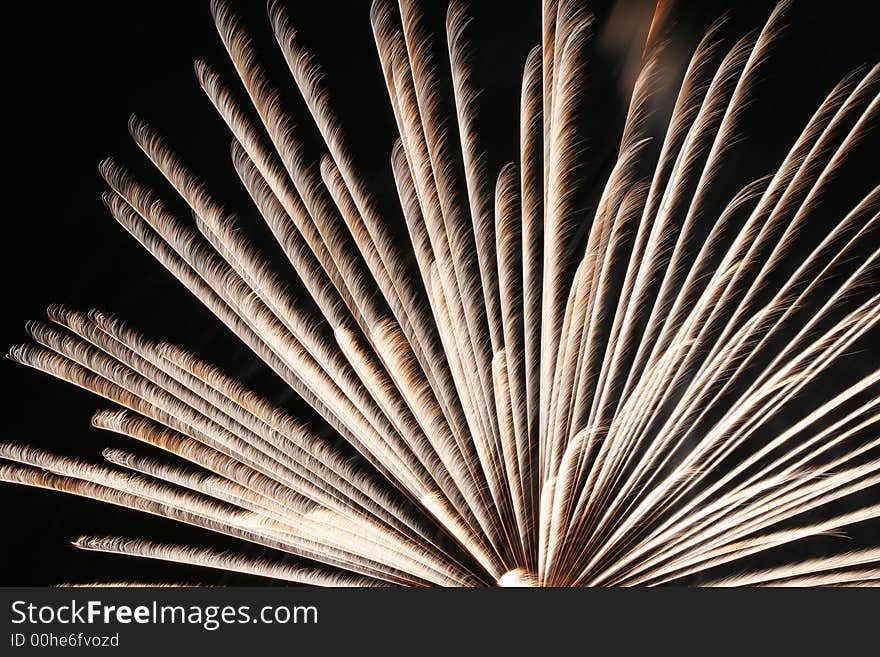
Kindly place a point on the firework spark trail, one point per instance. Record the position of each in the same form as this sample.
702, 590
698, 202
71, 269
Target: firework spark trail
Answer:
627, 411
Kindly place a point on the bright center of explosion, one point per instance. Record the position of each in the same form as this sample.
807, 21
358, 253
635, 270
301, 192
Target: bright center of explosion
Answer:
517, 578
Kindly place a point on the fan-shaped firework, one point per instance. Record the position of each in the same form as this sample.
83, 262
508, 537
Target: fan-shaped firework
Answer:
540, 395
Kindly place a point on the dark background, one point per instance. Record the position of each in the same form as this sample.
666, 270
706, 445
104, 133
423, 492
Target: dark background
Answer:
73, 74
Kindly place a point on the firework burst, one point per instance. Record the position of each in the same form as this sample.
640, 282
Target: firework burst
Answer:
538, 395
